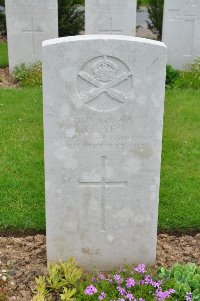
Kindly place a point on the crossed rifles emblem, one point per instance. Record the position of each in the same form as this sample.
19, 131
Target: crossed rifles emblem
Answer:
104, 86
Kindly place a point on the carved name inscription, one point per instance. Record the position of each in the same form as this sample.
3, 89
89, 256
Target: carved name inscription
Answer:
107, 133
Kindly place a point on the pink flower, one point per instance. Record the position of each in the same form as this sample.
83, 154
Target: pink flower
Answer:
102, 277
188, 297
102, 296
130, 282
161, 296
148, 280
129, 296
121, 290
118, 278
140, 268
90, 290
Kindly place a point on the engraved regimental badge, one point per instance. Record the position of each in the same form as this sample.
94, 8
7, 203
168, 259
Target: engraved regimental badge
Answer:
104, 83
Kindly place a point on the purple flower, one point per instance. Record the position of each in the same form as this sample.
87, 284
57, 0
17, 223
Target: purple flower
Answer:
90, 290
129, 296
130, 282
102, 296
148, 280
188, 296
140, 268
93, 279
121, 299
141, 282
163, 295
102, 277
118, 278
121, 290
141, 299
156, 284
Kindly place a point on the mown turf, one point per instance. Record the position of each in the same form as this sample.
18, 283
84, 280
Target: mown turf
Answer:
21, 156
3, 55
180, 176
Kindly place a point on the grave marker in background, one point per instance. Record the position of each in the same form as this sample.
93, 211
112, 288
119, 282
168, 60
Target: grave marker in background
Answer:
110, 17
181, 31
103, 116
29, 22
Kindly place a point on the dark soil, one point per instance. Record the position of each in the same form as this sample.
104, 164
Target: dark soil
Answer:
5, 79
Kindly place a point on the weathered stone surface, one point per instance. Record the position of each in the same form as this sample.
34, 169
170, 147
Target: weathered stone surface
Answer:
29, 22
103, 116
110, 17
181, 31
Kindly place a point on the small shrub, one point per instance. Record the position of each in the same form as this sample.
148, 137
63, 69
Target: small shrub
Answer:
60, 283
28, 76
139, 2
190, 79
186, 280
171, 76
155, 11
2, 19
71, 17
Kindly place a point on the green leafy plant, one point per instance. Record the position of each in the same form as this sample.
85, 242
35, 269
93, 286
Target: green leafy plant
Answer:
139, 2
155, 11
171, 76
186, 280
3, 32
60, 283
28, 76
71, 17
190, 79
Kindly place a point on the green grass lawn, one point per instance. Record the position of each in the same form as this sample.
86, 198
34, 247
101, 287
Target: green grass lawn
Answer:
3, 55
21, 158
180, 176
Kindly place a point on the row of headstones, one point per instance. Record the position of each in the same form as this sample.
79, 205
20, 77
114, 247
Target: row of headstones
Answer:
29, 22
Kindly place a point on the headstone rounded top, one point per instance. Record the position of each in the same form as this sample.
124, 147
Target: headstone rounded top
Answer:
102, 37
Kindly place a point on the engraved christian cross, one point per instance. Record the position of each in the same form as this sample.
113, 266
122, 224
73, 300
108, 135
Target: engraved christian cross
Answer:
33, 31
110, 30
103, 184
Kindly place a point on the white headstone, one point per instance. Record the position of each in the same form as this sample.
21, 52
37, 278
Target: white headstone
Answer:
181, 31
29, 22
110, 17
103, 116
